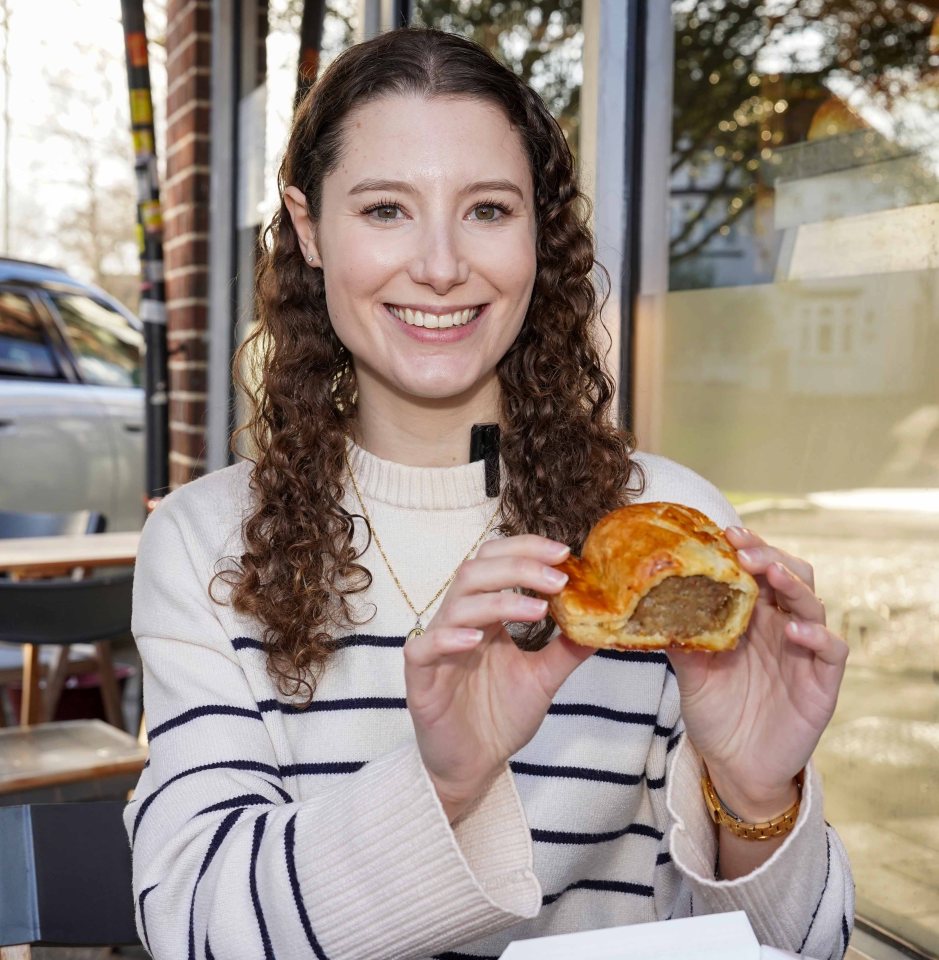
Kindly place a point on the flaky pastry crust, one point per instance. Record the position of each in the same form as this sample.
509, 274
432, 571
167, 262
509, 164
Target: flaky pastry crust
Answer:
618, 596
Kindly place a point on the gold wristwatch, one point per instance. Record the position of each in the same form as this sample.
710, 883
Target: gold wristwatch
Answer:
767, 830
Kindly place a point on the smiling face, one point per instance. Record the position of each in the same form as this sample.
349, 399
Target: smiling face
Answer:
426, 238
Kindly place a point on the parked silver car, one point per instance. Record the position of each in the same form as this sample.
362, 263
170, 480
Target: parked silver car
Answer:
71, 397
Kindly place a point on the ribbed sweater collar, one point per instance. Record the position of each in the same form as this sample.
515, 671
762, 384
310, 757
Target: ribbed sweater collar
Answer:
427, 488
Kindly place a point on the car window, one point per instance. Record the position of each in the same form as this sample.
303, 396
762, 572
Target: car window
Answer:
107, 348
24, 348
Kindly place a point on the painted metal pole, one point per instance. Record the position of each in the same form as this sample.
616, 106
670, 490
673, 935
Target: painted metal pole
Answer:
311, 43
150, 243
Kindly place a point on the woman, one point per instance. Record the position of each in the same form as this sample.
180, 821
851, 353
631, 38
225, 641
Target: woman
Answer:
317, 786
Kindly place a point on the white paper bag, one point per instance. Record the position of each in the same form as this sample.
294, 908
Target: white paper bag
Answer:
718, 936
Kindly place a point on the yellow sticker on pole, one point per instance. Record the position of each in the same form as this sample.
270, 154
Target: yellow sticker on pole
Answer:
143, 143
151, 215
141, 109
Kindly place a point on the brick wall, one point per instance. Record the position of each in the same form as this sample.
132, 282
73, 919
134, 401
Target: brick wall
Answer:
185, 196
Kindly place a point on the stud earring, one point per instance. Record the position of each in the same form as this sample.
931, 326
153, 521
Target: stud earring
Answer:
310, 258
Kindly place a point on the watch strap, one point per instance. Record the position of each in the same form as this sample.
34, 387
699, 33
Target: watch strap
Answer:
723, 816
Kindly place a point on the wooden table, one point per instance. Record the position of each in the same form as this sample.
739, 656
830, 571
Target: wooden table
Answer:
25, 557
56, 755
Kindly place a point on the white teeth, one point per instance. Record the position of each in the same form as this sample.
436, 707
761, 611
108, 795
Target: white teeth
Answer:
434, 321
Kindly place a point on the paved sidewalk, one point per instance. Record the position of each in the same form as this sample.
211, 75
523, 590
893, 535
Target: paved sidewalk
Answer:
878, 574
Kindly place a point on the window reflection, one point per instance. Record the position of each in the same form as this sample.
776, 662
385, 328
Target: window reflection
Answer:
794, 363
24, 349
108, 348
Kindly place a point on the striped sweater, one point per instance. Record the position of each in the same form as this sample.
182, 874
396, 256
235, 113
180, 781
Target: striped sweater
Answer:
263, 830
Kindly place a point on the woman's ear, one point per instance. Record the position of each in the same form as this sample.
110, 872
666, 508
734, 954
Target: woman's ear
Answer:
303, 225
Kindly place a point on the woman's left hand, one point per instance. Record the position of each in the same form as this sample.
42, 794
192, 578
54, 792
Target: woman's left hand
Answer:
755, 714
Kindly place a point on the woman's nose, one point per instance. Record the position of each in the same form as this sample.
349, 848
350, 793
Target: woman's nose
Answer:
440, 260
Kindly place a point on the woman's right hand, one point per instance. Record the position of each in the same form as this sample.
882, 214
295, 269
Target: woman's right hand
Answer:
475, 698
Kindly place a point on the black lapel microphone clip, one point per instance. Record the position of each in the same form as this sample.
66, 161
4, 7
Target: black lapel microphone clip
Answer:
484, 445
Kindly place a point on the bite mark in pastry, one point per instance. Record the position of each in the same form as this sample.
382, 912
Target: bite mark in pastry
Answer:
655, 575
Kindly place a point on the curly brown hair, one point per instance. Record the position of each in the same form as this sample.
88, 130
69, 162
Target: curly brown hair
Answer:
300, 567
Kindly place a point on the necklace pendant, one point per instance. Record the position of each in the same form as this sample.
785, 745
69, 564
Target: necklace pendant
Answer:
416, 631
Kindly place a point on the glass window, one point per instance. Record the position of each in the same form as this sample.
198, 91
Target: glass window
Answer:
793, 360
541, 40
24, 348
107, 347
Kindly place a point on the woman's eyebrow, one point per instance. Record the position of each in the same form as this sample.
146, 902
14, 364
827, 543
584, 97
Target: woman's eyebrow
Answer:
402, 186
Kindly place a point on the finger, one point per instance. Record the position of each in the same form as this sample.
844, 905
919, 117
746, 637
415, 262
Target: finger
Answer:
742, 538
486, 609
756, 559
434, 646
484, 574
525, 545
555, 662
793, 594
827, 646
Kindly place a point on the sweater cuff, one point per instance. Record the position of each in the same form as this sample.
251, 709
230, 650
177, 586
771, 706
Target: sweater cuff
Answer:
773, 894
388, 877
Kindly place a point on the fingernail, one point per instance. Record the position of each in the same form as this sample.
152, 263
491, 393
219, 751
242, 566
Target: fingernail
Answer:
746, 555
736, 531
467, 637
799, 629
561, 550
557, 578
534, 605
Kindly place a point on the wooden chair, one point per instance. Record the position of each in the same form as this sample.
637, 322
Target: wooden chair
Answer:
26, 665
62, 613
65, 871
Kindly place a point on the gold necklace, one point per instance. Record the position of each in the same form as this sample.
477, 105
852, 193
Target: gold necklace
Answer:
418, 629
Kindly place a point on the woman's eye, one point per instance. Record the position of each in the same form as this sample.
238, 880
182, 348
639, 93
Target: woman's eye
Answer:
387, 211
487, 212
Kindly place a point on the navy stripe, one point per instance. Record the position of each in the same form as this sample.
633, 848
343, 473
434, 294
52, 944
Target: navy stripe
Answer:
259, 825
341, 643
633, 656
325, 706
463, 956
845, 933
562, 836
672, 743
822, 894
605, 886
245, 800
655, 784
289, 834
663, 858
208, 950
220, 710
366, 640
603, 713
247, 643
221, 765
575, 773
143, 916
314, 769
220, 835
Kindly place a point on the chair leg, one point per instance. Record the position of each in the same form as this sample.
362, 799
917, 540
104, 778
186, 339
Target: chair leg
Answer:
31, 707
55, 680
110, 691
